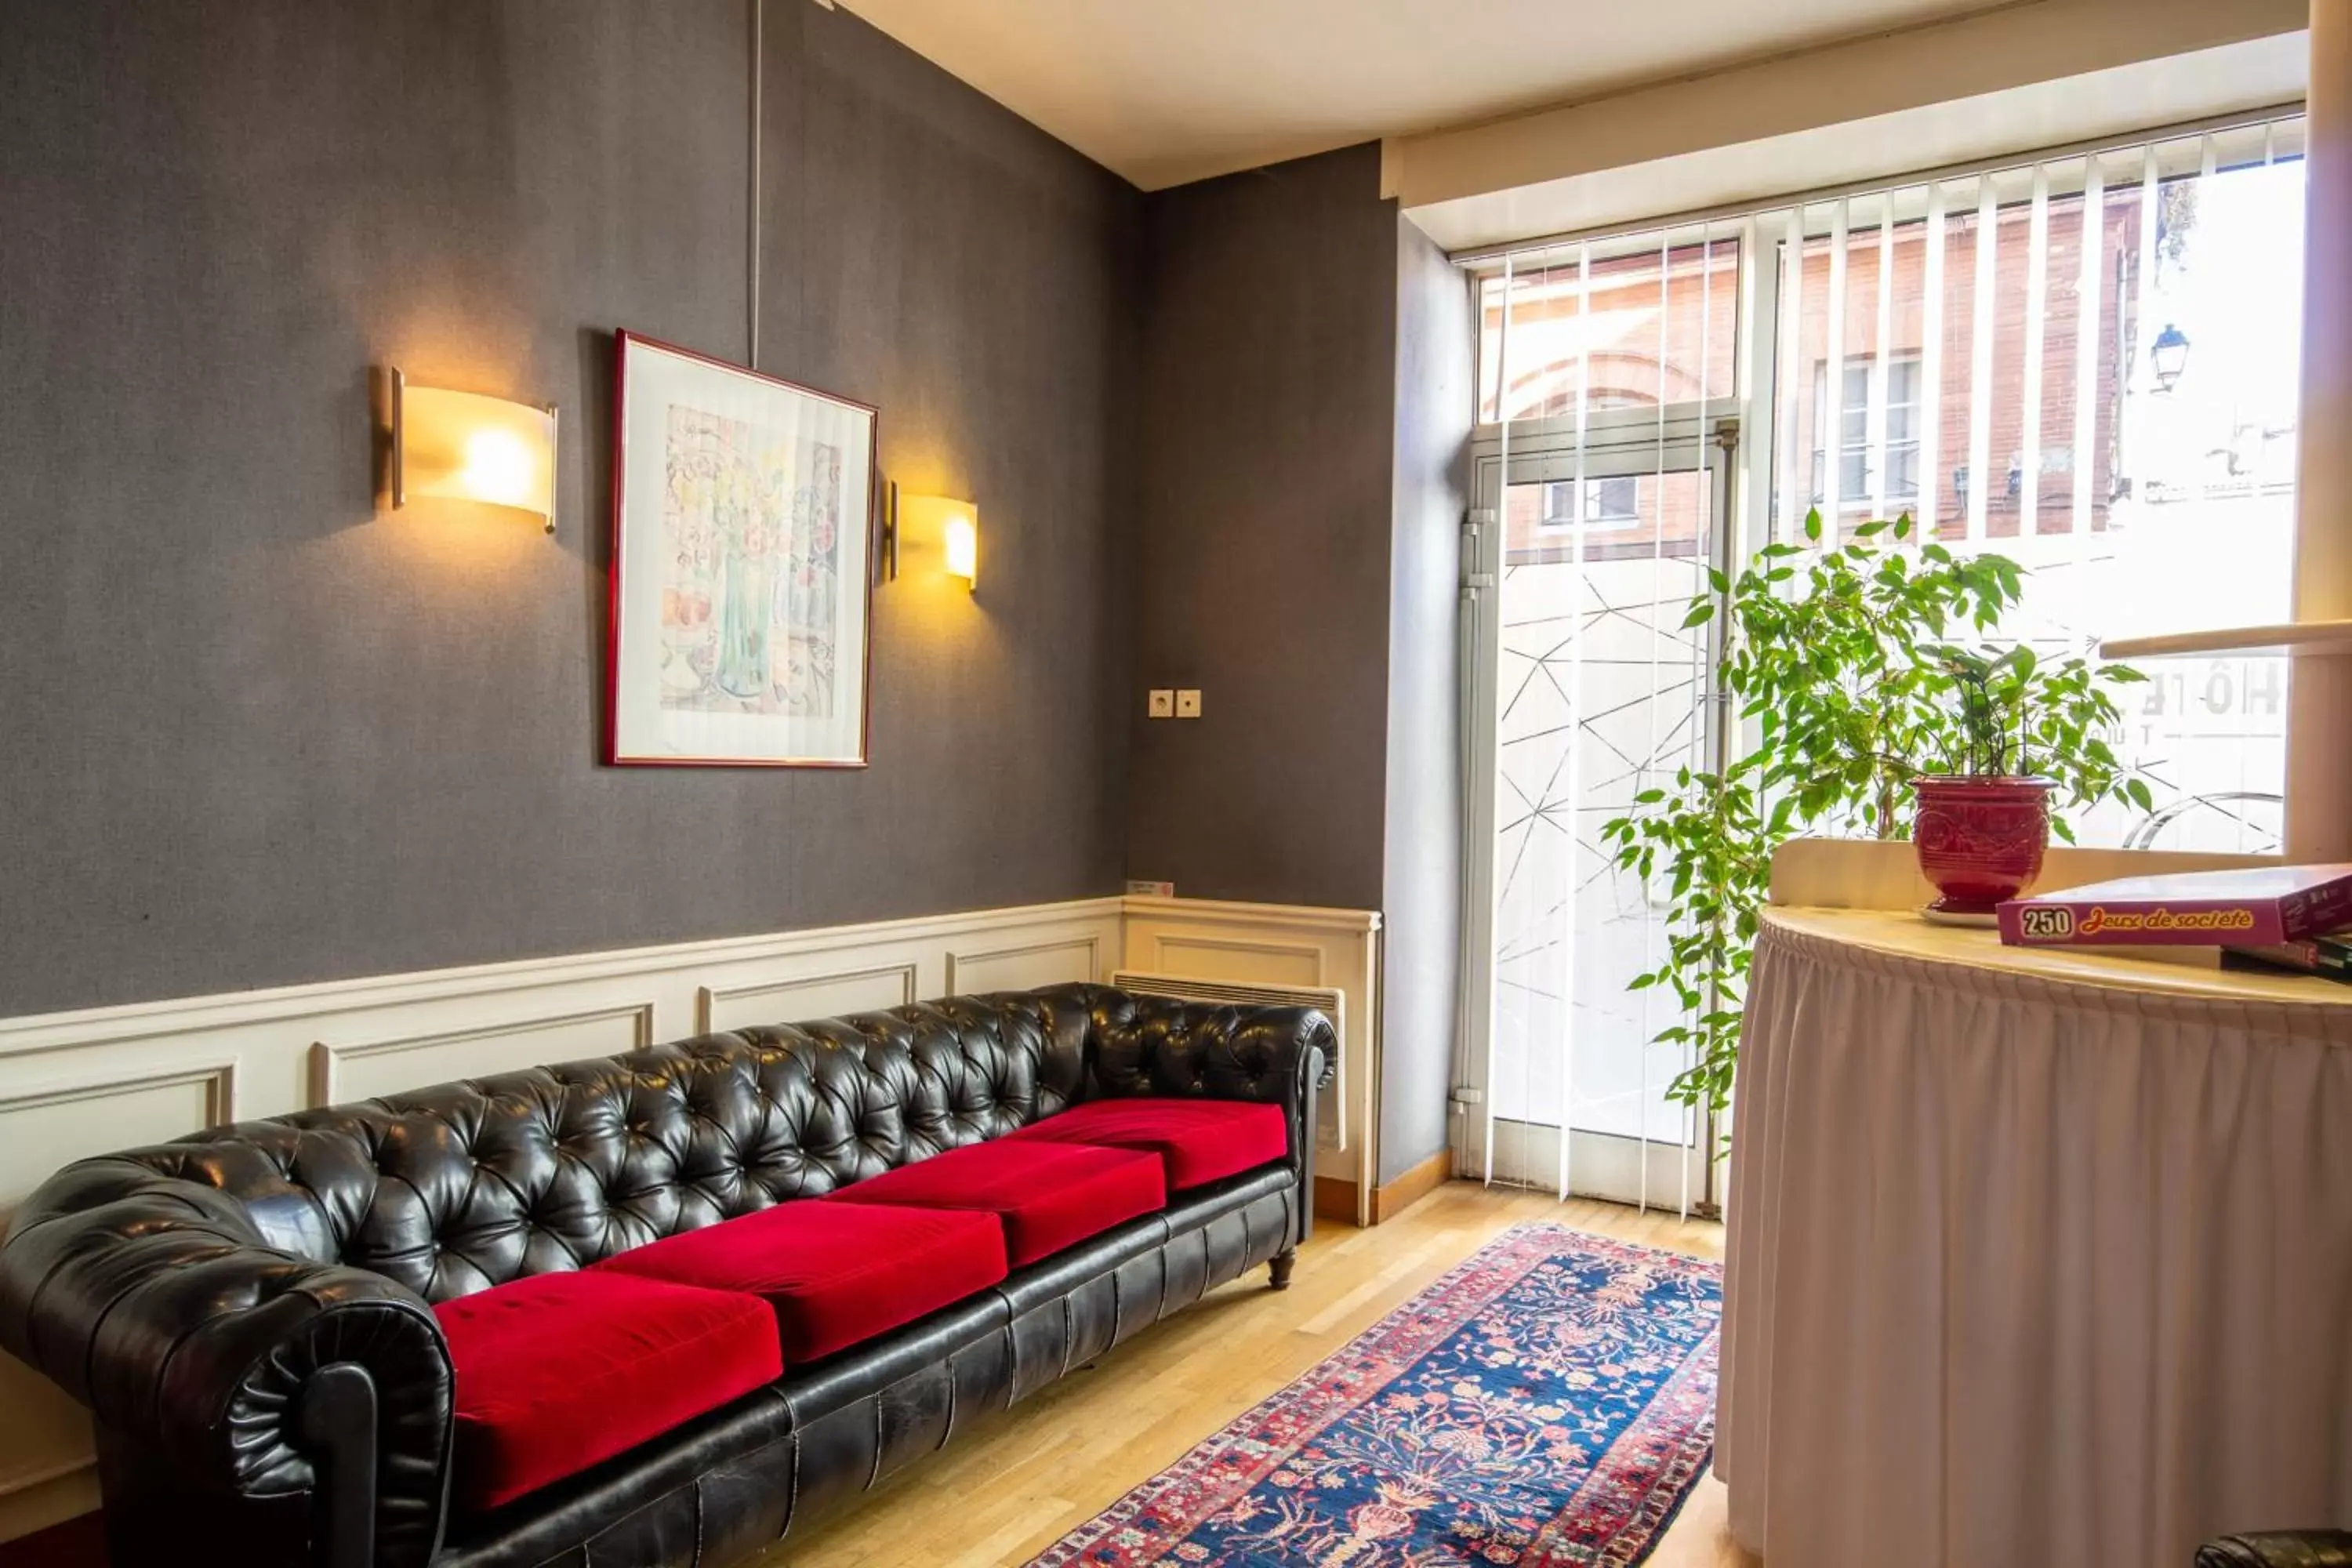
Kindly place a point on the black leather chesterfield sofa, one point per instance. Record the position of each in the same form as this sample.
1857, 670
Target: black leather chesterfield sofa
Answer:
658, 1308
2279, 1548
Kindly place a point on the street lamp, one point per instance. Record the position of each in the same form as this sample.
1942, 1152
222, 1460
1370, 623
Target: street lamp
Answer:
2169, 356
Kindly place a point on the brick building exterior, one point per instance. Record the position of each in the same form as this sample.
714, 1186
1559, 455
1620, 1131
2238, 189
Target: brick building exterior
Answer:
1669, 334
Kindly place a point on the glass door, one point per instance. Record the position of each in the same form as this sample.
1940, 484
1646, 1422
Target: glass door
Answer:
1610, 479
1590, 543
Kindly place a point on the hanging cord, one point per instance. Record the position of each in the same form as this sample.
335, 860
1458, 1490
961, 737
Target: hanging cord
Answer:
751, 261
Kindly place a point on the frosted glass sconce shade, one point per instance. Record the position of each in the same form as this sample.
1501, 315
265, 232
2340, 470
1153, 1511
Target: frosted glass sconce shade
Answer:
926, 521
462, 445
963, 550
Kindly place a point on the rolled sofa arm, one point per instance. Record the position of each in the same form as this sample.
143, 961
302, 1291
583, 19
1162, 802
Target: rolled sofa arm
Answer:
2280, 1549
250, 1373
1158, 1046
1155, 1045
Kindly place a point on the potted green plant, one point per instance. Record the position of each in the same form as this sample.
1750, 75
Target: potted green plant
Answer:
1851, 683
1983, 824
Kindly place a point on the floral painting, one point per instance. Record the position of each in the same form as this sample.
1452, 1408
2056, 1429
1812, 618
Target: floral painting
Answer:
751, 532
740, 561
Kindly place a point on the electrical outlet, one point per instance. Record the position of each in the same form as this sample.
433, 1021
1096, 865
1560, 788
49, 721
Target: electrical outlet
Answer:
1151, 889
1188, 703
1163, 704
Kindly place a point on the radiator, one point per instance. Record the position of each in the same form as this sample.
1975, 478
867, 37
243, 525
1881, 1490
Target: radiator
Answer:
1331, 1118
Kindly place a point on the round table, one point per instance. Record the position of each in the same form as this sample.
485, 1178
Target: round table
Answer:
2035, 1257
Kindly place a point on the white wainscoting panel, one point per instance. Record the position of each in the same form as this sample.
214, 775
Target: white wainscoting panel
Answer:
826, 995
344, 1072
1024, 967
47, 1119
1263, 962
47, 1473
77, 1084
44, 1124
1286, 945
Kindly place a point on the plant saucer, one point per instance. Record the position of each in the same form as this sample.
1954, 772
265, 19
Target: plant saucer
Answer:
1936, 917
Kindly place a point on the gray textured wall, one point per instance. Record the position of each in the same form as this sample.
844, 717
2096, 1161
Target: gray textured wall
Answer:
249, 735
1424, 849
1263, 556
1306, 410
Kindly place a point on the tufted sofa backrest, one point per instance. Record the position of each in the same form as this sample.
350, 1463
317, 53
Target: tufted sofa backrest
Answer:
455, 1188
459, 1187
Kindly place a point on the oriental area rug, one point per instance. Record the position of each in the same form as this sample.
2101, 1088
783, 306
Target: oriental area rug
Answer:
1549, 1403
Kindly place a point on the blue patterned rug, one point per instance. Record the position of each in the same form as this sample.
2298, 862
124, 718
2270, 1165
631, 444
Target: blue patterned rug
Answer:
1549, 1403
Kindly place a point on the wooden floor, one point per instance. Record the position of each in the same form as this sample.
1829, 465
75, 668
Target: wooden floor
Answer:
1009, 1488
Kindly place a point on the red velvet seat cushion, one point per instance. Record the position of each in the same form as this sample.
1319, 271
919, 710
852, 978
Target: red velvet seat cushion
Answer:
1201, 1140
834, 1273
1047, 1195
556, 1372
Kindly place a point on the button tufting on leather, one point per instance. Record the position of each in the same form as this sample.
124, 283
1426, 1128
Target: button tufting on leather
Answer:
456, 1187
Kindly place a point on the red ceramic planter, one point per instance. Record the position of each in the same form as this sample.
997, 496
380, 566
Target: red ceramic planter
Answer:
1980, 840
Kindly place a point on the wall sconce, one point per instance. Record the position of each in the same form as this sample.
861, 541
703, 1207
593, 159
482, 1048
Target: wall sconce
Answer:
461, 445
955, 525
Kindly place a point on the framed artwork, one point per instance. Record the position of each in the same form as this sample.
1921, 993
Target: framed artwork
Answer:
742, 594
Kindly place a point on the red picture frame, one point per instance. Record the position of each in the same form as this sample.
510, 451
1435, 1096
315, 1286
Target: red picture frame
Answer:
642, 728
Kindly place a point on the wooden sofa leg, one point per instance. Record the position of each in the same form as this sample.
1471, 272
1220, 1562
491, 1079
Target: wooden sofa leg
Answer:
1278, 1270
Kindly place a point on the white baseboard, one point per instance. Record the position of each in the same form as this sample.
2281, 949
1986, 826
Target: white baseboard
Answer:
80, 1083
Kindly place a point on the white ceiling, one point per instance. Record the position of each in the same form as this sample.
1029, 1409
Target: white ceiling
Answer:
1168, 91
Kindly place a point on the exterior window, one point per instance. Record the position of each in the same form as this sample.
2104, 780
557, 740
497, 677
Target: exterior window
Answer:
1608, 503
1856, 482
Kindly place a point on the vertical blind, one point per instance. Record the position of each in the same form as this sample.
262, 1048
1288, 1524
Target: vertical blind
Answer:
2028, 295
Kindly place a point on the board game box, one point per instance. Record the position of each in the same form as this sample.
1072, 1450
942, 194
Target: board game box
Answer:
2260, 905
